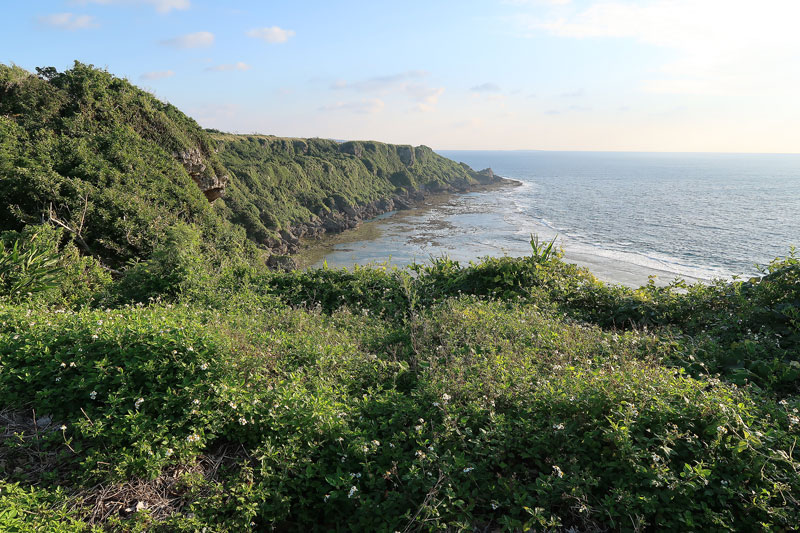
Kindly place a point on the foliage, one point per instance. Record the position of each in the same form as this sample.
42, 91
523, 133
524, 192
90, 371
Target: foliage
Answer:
96, 155
281, 182
542, 252
198, 391
36, 267
473, 412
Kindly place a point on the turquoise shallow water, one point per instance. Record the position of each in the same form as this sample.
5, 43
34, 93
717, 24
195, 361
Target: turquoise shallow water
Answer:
624, 215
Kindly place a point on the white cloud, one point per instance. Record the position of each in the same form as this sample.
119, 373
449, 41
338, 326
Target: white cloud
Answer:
423, 94
486, 87
157, 75
272, 34
228, 67
406, 85
537, 2
68, 21
162, 6
366, 106
382, 84
199, 39
724, 46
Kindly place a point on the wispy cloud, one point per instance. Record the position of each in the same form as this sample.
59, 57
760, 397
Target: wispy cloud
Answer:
229, 67
68, 21
724, 46
487, 87
573, 94
157, 75
162, 6
406, 85
199, 39
271, 34
382, 84
367, 106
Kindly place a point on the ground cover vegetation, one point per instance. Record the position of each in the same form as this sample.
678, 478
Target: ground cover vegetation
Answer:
178, 385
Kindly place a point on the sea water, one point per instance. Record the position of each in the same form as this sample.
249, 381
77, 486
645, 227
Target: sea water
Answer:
626, 216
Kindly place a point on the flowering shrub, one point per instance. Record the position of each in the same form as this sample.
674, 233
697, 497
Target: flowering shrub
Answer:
467, 413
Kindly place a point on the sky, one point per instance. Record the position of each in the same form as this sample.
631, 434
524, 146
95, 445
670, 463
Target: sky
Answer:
618, 75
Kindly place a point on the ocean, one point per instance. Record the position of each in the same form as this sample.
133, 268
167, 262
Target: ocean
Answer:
625, 216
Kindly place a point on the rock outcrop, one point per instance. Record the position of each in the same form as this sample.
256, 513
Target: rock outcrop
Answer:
213, 186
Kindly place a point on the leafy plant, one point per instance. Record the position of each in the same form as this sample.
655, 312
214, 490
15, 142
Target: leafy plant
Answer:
27, 268
542, 252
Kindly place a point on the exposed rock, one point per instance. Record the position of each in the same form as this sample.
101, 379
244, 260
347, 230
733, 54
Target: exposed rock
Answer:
352, 147
341, 215
281, 262
213, 186
406, 155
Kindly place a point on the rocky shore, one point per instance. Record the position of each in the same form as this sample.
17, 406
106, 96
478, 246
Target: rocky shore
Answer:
343, 215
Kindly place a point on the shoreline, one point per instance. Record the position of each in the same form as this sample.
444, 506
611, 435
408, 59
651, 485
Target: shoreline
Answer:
398, 238
284, 251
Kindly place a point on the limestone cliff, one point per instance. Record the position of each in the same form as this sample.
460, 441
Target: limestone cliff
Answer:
282, 190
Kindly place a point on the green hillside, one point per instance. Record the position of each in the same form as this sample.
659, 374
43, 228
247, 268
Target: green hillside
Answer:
156, 376
97, 155
308, 186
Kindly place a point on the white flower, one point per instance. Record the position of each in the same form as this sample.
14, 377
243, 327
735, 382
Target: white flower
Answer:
95, 337
445, 397
558, 427
436, 404
495, 506
420, 454
557, 471
58, 379
63, 427
353, 490
196, 401
72, 364
204, 366
376, 443
469, 469
63, 365
233, 405
138, 403
242, 420
194, 437
325, 499
722, 429
169, 452
93, 394
418, 428
189, 349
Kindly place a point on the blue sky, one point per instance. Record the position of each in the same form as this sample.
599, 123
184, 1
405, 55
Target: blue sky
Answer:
650, 75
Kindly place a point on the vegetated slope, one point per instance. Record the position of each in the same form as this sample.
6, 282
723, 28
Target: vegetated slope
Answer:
284, 188
90, 152
115, 167
448, 398
200, 391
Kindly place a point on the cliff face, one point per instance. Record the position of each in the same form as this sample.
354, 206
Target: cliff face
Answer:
285, 189
116, 168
